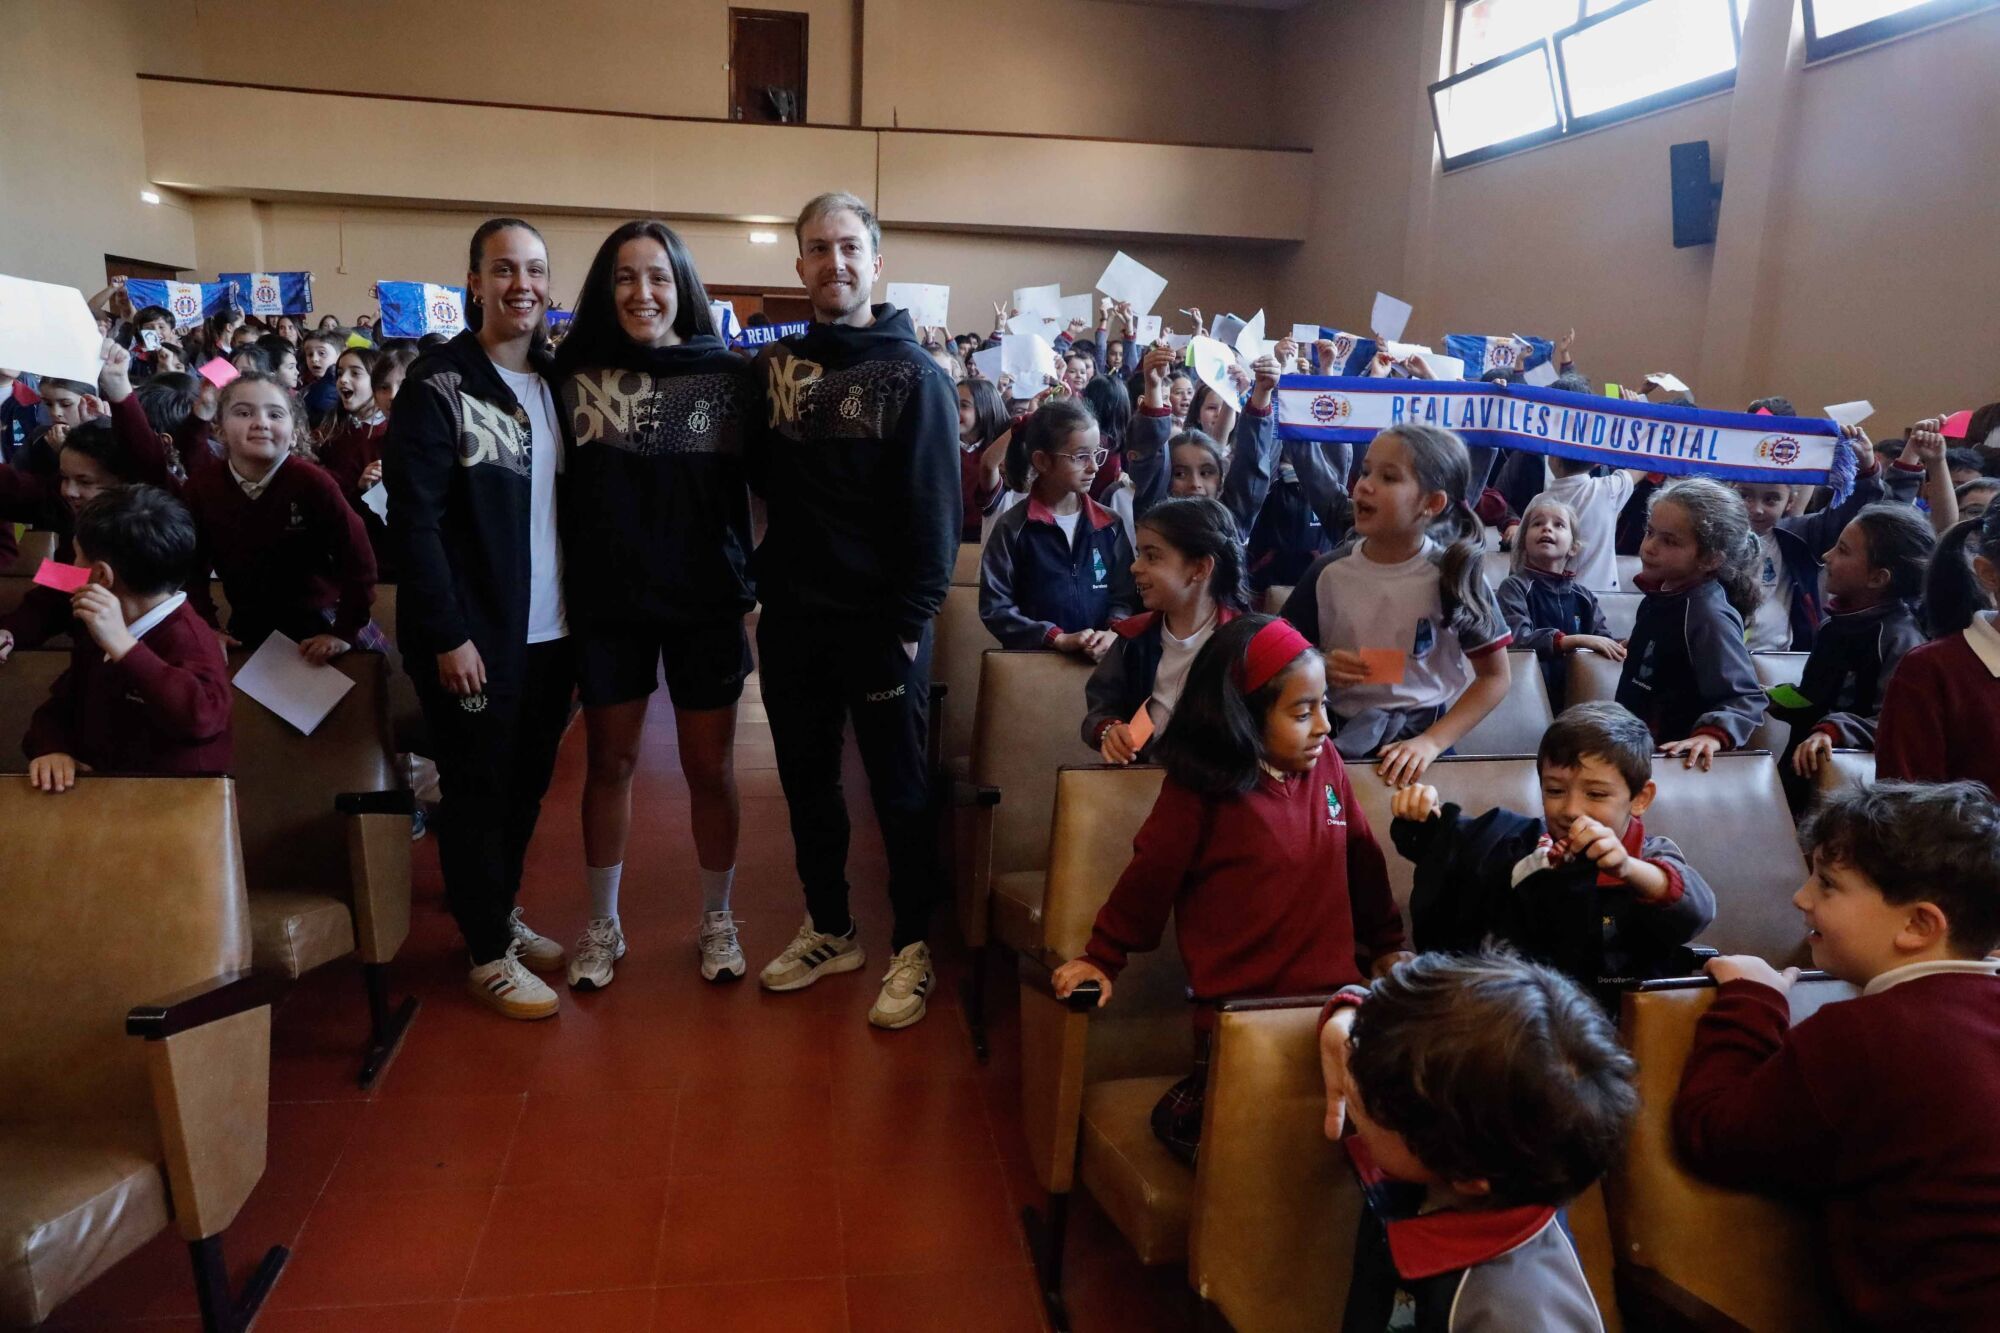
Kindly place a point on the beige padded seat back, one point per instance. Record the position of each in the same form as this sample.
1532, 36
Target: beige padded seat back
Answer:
1029, 723
25, 679
1475, 784
1621, 610
959, 639
1098, 811
120, 891
1516, 725
1734, 826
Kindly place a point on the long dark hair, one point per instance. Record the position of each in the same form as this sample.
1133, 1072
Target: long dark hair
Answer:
1048, 430
1900, 541
595, 338
1721, 527
1214, 742
1440, 463
476, 255
1952, 593
989, 410
1112, 406
1199, 527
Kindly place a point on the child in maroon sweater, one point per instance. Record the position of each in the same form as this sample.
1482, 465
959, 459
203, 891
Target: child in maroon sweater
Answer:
1880, 1108
148, 691
290, 552
1256, 846
1941, 713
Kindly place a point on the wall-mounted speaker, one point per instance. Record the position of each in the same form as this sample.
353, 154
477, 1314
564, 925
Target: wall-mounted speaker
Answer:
1695, 195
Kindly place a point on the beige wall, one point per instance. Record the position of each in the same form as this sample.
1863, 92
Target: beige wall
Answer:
1859, 209
347, 249
72, 162
613, 55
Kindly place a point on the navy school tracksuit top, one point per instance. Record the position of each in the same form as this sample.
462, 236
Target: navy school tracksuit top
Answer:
1035, 583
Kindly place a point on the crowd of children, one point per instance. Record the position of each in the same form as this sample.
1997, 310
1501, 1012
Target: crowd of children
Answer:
1128, 515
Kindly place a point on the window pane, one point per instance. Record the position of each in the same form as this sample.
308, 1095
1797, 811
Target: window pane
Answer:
1489, 28
1831, 16
1651, 49
1506, 102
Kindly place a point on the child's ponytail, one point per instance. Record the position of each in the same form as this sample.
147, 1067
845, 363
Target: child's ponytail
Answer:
1738, 575
1439, 459
1722, 528
1952, 594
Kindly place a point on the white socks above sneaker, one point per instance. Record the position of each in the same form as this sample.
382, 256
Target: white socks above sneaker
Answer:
604, 889
715, 887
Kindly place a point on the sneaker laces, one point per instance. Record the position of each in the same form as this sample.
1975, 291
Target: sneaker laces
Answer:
523, 932
718, 938
600, 940
904, 973
511, 966
802, 943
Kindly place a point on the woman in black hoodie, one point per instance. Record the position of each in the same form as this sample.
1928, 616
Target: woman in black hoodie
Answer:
470, 461
657, 541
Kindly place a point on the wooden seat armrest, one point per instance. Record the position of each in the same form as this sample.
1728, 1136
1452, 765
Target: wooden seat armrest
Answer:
217, 998
378, 868
1053, 1046
965, 794
397, 802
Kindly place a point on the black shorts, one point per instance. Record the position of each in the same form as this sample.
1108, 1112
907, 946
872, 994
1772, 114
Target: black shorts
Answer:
706, 663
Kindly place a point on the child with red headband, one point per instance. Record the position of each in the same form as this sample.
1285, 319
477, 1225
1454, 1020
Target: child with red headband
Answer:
1255, 845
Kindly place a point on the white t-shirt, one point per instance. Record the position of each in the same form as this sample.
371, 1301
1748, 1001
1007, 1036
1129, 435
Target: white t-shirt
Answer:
1363, 604
1771, 627
1170, 677
1067, 522
546, 620
1597, 501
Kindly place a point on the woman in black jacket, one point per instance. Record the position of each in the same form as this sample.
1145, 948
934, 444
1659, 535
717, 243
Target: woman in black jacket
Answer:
657, 543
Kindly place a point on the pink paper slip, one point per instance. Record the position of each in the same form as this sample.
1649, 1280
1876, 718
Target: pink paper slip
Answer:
1385, 665
219, 372
1956, 425
61, 577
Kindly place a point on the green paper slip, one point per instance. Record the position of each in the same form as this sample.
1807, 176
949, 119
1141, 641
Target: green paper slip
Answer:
1787, 697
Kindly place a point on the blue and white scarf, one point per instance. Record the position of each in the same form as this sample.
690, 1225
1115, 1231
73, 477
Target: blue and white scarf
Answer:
188, 302
270, 294
1483, 354
412, 309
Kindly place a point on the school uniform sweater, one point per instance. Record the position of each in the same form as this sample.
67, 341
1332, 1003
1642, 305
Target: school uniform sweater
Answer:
1854, 655
974, 497
1940, 717
1280, 891
1126, 679
1541, 608
458, 463
857, 464
1802, 539
287, 558
1496, 875
1880, 1109
163, 708
1687, 670
347, 453
1036, 583
656, 510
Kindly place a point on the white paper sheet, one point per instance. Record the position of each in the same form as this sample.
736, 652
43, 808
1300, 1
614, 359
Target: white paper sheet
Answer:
1305, 335
376, 497
1032, 323
929, 303
1250, 339
1148, 330
1126, 279
1074, 309
1177, 341
1211, 361
1671, 383
1403, 351
1541, 376
1443, 367
1224, 328
1029, 359
46, 329
1038, 300
988, 361
1851, 414
1390, 318
293, 688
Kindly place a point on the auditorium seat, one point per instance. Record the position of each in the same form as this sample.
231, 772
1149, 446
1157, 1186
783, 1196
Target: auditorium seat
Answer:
1592, 678
35, 545
127, 918
1028, 722
1846, 768
1499, 565
1713, 1257
1516, 725
1628, 570
1090, 1077
13, 587
959, 637
326, 840
1620, 610
965, 565
1732, 823
25, 678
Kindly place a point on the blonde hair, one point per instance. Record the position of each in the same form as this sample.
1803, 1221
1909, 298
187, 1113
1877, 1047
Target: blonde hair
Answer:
1519, 560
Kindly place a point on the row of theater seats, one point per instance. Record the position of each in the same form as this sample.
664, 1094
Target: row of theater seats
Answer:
33, 547
176, 908
1039, 836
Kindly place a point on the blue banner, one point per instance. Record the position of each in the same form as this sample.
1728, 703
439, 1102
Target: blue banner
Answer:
767, 333
188, 302
267, 295
412, 309
1483, 354
1733, 446
1351, 350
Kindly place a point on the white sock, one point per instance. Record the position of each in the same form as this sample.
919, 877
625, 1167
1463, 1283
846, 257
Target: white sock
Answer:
604, 889
715, 886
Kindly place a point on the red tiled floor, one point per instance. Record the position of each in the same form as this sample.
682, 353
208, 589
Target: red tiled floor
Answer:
433, 1318
605, 1311
818, 1306
998, 1301
385, 1246
569, 1237
942, 1215
428, 1143
724, 1126
592, 1137
751, 1225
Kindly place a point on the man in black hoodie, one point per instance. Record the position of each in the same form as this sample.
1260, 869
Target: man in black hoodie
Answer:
857, 463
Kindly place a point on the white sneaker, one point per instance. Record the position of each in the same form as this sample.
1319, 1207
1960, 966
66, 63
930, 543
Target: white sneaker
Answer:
537, 951
601, 945
721, 954
509, 989
810, 956
904, 986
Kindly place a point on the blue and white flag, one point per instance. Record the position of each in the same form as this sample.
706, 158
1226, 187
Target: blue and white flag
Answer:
188, 302
768, 333
270, 294
1682, 441
558, 321
1351, 351
412, 309
1483, 354
723, 315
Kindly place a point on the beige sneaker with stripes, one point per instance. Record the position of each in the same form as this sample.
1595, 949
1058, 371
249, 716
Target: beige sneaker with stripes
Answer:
511, 990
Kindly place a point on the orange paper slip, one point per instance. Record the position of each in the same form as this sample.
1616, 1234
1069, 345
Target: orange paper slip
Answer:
1385, 665
1142, 726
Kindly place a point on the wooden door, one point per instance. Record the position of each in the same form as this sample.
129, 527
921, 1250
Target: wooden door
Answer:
767, 66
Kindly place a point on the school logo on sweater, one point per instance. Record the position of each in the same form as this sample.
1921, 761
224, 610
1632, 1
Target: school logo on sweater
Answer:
1426, 638
852, 405
1334, 813
1099, 574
